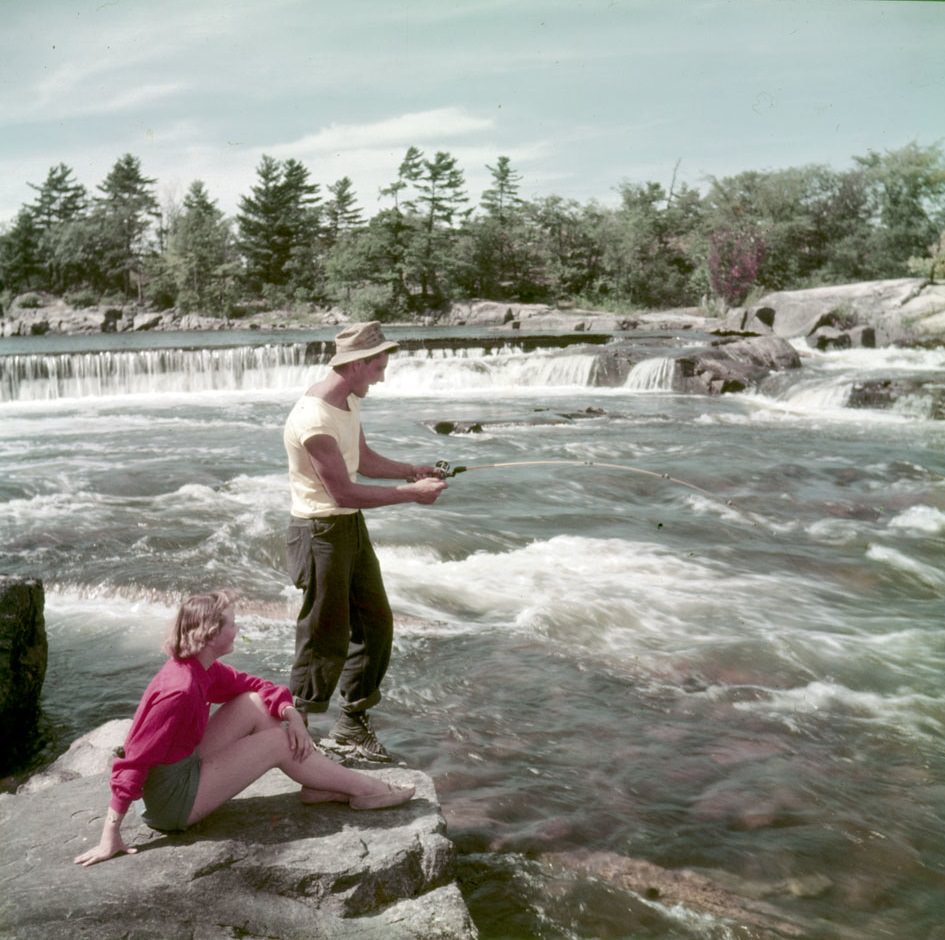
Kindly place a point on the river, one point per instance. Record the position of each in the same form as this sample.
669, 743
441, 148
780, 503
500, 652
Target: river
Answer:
599, 668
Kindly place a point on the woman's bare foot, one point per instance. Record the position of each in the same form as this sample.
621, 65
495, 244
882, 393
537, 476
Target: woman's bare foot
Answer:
310, 795
389, 796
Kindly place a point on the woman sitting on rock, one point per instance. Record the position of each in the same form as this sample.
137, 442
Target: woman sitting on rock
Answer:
185, 762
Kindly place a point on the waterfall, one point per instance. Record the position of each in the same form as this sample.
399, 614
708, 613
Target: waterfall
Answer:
652, 375
37, 377
44, 377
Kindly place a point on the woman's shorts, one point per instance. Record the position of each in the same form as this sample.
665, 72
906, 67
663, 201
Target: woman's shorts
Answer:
169, 793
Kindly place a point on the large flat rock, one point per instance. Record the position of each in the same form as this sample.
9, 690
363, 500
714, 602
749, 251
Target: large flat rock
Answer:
263, 865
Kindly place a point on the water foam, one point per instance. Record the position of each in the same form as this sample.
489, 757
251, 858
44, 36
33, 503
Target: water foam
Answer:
920, 520
932, 577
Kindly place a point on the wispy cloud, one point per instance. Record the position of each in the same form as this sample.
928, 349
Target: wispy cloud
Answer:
417, 128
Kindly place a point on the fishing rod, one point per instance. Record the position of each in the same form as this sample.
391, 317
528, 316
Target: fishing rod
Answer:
446, 470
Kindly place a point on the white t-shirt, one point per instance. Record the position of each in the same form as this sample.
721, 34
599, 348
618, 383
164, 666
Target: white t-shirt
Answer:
308, 417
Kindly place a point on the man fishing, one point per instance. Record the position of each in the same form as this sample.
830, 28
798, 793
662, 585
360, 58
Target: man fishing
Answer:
344, 631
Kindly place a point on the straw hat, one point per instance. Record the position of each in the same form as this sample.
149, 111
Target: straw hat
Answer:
359, 341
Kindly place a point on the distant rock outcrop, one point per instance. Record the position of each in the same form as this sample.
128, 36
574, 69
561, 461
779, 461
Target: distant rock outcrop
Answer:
39, 314
514, 316
900, 312
261, 866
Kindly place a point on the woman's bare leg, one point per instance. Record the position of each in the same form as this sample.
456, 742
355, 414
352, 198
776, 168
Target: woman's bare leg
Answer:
243, 741
242, 716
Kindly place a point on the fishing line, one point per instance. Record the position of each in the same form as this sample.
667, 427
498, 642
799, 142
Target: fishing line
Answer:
449, 471
445, 470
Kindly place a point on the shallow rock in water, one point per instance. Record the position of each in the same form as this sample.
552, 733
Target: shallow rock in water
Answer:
685, 888
733, 366
921, 397
458, 427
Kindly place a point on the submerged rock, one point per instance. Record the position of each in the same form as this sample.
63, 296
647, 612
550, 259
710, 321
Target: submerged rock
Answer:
675, 889
916, 396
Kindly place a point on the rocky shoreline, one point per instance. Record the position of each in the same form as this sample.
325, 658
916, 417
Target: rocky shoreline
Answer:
723, 354
904, 312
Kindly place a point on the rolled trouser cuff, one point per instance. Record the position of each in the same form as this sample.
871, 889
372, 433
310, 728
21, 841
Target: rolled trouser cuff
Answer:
309, 706
361, 704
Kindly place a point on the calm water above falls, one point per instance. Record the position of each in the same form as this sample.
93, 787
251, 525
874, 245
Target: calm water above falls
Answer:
597, 667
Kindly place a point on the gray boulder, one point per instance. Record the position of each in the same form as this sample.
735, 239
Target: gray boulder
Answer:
263, 865
733, 366
490, 312
902, 311
23, 653
37, 314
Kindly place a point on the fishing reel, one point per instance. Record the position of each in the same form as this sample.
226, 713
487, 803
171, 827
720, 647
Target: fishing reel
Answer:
444, 469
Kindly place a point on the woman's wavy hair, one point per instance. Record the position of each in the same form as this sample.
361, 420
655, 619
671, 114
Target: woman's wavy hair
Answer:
199, 620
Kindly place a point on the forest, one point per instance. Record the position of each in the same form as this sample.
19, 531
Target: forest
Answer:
295, 241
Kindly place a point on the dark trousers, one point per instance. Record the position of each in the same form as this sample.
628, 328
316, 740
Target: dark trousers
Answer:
345, 628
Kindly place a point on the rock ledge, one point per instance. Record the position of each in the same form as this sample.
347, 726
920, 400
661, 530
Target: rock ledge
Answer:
262, 866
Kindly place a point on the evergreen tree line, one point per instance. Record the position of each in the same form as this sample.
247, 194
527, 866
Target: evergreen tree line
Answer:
293, 243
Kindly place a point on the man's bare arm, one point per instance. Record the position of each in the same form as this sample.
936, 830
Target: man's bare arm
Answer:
329, 465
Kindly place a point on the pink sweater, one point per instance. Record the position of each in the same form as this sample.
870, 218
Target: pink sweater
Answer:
172, 717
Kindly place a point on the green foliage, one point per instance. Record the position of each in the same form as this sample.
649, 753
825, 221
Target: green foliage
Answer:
932, 266
30, 301
906, 198
160, 285
657, 248
419, 232
373, 302
84, 297
21, 264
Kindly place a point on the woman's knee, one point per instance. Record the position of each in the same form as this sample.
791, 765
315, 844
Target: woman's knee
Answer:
246, 710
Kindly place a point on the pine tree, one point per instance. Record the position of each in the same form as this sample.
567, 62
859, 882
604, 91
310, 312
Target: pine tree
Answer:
125, 213
409, 171
501, 201
440, 199
341, 211
199, 253
499, 238
304, 275
60, 201
278, 225
60, 198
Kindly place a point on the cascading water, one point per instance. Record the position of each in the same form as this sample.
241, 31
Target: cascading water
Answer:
652, 375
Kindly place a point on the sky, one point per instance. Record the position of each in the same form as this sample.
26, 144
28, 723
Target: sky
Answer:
581, 95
